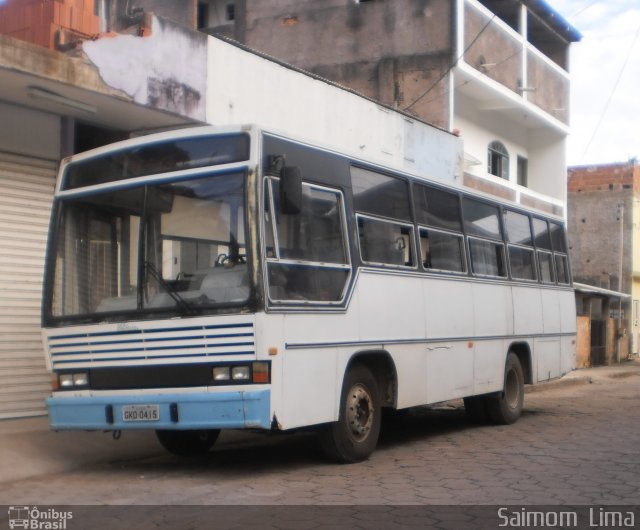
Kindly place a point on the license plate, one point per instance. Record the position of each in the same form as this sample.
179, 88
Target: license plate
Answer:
141, 413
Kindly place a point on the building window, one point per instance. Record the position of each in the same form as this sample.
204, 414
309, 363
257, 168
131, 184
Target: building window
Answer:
231, 12
498, 160
203, 15
523, 171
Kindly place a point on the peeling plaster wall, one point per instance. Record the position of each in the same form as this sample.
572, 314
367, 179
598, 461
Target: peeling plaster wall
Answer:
210, 80
166, 70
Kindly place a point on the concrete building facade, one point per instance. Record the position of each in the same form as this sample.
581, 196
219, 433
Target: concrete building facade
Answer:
495, 72
604, 241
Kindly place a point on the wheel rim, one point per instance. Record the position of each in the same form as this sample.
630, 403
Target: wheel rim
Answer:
512, 390
359, 412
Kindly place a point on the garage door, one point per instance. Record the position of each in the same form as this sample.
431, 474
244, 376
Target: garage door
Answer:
26, 192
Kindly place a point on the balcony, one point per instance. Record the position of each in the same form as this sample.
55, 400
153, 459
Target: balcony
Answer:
499, 56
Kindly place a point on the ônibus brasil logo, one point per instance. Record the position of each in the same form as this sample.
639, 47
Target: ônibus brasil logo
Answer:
34, 518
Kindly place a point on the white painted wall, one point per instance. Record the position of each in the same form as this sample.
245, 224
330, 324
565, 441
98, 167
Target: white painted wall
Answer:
246, 88
548, 164
478, 129
544, 149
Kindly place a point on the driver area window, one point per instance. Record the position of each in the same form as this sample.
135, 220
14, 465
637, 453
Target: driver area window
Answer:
307, 252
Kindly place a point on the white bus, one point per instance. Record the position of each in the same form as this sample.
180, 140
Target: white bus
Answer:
233, 278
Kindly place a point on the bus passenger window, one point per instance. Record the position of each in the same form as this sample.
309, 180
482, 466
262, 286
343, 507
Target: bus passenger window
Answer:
438, 208
562, 269
520, 248
385, 242
546, 266
441, 251
378, 194
523, 266
487, 257
541, 231
487, 249
557, 238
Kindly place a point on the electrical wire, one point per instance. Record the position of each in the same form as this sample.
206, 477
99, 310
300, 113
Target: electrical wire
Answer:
610, 98
444, 74
471, 80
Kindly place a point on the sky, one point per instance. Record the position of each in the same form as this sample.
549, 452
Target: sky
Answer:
605, 80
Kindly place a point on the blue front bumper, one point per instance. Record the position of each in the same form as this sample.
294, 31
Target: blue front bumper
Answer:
202, 410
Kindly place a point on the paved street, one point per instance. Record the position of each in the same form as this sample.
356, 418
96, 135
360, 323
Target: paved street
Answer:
575, 444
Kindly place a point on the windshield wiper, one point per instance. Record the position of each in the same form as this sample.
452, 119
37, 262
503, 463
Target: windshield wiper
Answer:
186, 307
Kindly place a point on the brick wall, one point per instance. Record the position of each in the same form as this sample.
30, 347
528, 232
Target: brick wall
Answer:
605, 177
595, 194
37, 21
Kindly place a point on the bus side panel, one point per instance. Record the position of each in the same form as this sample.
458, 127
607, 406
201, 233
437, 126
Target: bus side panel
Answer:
567, 301
448, 308
527, 310
548, 349
450, 370
412, 372
311, 379
489, 366
450, 364
548, 357
493, 312
389, 307
310, 387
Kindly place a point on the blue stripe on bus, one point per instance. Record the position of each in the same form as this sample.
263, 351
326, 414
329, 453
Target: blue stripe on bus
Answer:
145, 331
157, 348
150, 339
112, 359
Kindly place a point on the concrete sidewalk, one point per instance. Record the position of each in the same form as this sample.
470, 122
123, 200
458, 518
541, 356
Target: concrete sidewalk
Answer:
28, 448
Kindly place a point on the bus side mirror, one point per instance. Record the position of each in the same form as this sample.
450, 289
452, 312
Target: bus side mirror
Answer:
290, 190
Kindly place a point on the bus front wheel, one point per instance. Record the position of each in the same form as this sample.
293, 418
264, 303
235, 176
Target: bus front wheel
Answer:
355, 435
506, 408
188, 443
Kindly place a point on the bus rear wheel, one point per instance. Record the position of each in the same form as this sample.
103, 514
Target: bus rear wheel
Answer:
188, 443
355, 435
506, 408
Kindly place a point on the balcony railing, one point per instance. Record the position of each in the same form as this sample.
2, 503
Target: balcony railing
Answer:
492, 47
496, 50
549, 85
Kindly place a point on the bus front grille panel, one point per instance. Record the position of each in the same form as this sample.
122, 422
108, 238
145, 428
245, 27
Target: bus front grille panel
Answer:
170, 345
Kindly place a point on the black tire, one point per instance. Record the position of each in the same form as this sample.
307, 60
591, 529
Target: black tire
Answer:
188, 443
476, 409
506, 407
355, 435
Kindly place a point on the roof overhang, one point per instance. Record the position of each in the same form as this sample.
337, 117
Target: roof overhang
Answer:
599, 291
38, 78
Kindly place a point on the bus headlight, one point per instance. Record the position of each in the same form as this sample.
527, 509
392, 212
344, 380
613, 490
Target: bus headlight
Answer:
221, 373
80, 379
240, 373
257, 372
74, 380
66, 380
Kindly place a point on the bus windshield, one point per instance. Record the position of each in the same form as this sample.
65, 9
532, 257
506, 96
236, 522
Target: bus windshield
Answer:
174, 247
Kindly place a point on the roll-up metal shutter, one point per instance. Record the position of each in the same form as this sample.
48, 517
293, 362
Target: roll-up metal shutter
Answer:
26, 193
